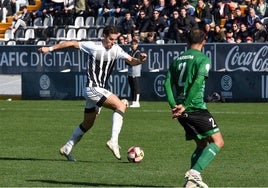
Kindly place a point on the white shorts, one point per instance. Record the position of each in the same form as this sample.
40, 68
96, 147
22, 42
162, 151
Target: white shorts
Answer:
95, 96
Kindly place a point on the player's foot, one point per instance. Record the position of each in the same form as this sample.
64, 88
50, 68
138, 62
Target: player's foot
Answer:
195, 178
135, 104
67, 153
190, 184
114, 148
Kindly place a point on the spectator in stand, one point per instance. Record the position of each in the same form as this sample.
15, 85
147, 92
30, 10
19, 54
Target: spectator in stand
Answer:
160, 7
92, 7
141, 21
133, 7
253, 4
20, 4
239, 18
47, 9
262, 9
190, 9
229, 21
202, 14
229, 36
150, 38
236, 30
238, 40
7, 8
127, 26
221, 11
67, 14
218, 35
136, 36
251, 18
260, 32
156, 24
21, 20
185, 24
243, 33
174, 26
209, 33
171, 6
249, 39
147, 7
80, 7
109, 8
122, 40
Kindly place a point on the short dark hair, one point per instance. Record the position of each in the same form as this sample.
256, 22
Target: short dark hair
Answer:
196, 36
110, 29
134, 41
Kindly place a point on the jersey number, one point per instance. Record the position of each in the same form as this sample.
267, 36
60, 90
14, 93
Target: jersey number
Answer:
212, 122
181, 68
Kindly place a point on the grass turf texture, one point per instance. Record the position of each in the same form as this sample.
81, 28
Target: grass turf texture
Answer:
33, 131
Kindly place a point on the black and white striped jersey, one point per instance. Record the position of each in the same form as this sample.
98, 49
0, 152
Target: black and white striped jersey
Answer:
101, 62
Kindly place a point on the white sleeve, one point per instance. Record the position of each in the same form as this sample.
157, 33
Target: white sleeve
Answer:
121, 53
87, 46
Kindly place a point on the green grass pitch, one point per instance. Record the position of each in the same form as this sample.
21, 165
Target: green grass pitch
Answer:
33, 131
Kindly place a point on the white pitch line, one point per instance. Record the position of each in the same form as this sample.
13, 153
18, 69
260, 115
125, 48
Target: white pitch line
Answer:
137, 111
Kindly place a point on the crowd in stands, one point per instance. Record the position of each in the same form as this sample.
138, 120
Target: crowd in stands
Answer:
150, 21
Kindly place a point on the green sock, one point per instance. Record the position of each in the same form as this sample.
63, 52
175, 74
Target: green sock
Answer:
196, 154
206, 157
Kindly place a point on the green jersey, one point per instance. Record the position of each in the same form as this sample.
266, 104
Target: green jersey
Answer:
185, 81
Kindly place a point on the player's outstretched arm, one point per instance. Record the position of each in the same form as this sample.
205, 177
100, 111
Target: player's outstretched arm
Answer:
61, 45
136, 61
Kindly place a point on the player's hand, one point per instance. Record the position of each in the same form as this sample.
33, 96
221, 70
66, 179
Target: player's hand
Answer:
44, 50
177, 111
143, 57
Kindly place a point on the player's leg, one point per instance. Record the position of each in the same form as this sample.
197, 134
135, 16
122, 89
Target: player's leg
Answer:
136, 93
114, 103
79, 131
212, 146
206, 150
208, 143
92, 97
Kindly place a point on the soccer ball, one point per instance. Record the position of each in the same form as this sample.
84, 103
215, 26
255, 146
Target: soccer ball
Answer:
135, 154
125, 101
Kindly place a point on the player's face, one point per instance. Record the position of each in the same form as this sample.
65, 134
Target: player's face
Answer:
109, 40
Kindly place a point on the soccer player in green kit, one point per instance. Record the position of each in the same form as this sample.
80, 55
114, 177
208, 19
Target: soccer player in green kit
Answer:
184, 87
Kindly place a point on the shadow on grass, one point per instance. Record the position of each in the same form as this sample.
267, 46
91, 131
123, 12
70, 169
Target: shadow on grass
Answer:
63, 159
72, 183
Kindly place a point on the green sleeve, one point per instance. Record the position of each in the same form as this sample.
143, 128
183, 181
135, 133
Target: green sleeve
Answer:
193, 90
169, 91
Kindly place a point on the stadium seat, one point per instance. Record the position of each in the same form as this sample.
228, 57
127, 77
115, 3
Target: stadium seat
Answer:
92, 33
78, 22
100, 22
48, 21
8, 35
100, 32
81, 34
71, 34
38, 22
29, 34
110, 20
90, 22
11, 43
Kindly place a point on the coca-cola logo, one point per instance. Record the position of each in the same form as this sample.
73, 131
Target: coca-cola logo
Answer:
246, 60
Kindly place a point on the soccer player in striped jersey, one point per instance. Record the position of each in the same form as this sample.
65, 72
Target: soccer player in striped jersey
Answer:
187, 75
102, 57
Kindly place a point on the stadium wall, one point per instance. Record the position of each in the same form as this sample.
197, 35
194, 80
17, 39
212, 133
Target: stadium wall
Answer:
238, 71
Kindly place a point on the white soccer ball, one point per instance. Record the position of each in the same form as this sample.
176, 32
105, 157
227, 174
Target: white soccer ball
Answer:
125, 101
135, 154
